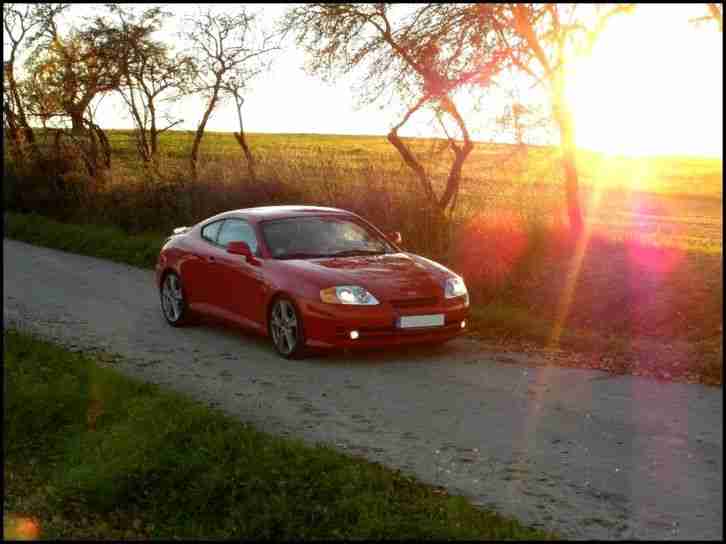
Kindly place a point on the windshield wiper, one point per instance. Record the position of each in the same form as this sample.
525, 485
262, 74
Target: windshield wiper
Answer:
357, 252
301, 256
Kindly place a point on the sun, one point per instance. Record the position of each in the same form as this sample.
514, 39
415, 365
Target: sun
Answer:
653, 85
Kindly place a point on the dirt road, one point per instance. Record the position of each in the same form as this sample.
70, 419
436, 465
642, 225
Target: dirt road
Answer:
585, 453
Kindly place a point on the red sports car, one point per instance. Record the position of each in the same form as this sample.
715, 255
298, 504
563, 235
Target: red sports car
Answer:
308, 277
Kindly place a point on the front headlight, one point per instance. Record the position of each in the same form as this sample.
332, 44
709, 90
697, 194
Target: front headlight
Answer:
348, 294
455, 287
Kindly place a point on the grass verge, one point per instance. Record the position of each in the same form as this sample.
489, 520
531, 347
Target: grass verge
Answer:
90, 453
105, 242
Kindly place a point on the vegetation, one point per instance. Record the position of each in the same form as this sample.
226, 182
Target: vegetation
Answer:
519, 266
228, 56
151, 76
92, 454
425, 58
665, 201
102, 241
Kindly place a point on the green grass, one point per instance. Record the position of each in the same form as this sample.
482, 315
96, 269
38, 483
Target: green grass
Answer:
90, 453
105, 242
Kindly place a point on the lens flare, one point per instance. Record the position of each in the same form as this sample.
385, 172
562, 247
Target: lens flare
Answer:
489, 248
563, 308
20, 528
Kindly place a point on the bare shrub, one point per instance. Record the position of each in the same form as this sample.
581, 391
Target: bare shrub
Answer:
157, 197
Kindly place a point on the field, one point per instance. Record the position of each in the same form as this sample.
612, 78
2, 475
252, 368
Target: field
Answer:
674, 201
642, 292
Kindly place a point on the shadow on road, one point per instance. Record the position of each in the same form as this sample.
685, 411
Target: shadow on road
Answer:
398, 355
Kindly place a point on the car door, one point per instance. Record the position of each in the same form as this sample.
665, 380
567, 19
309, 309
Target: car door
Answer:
240, 284
197, 269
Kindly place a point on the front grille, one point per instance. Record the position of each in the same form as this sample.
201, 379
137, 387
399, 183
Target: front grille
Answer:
414, 302
368, 333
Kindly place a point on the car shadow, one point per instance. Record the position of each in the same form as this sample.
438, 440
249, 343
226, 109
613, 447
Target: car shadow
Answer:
403, 354
381, 355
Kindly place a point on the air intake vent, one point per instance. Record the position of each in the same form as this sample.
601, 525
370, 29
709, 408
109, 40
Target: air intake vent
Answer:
414, 302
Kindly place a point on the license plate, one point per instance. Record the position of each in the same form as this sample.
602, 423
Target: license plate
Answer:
412, 321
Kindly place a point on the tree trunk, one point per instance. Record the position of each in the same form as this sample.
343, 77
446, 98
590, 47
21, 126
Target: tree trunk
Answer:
21, 121
454, 180
14, 136
412, 163
153, 135
76, 121
572, 188
105, 145
240, 136
200, 130
143, 145
460, 154
574, 210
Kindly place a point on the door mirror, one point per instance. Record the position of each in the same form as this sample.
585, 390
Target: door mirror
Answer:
395, 237
240, 248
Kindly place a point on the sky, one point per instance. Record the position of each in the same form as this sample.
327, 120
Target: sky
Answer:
653, 85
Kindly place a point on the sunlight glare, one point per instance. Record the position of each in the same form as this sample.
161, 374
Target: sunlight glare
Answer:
653, 85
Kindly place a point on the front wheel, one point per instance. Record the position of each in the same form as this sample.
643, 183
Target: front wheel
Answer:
286, 331
173, 303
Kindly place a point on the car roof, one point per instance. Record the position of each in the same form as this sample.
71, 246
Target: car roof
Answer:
260, 213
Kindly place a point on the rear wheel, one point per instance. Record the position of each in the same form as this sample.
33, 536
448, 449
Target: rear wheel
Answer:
285, 327
173, 303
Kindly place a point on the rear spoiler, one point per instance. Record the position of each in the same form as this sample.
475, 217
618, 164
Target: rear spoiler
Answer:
180, 230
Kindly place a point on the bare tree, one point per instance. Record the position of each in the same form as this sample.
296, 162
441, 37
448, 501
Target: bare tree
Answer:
235, 88
227, 52
542, 40
70, 71
150, 74
420, 54
21, 24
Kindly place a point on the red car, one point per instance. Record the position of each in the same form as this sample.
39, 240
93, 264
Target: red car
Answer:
308, 277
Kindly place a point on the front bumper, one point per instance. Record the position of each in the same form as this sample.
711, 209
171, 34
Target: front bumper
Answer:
330, 325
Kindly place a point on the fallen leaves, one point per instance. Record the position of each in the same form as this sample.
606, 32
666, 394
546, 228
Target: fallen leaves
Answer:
676, 361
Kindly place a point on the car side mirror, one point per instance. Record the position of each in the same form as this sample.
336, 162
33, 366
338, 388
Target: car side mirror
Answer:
241, 248
395, 237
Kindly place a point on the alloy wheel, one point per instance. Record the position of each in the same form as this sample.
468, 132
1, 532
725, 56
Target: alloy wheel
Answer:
172, 299
285, 327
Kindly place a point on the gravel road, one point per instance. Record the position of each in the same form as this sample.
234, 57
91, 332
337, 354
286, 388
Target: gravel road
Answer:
582, 452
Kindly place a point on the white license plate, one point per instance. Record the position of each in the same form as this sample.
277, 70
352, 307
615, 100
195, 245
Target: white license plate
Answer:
411, 321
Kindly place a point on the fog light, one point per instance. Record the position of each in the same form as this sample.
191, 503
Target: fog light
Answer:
463, 324
354, 335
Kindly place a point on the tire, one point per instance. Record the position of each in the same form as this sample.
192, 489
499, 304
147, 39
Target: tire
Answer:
285, 326
173, 303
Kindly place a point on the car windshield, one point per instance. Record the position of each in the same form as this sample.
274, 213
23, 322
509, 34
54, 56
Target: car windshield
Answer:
317, 237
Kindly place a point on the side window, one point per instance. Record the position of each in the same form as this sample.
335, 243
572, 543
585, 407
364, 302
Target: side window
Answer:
210, 231
236, 230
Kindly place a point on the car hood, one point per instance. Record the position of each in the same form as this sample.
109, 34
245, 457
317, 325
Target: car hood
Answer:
397, 276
